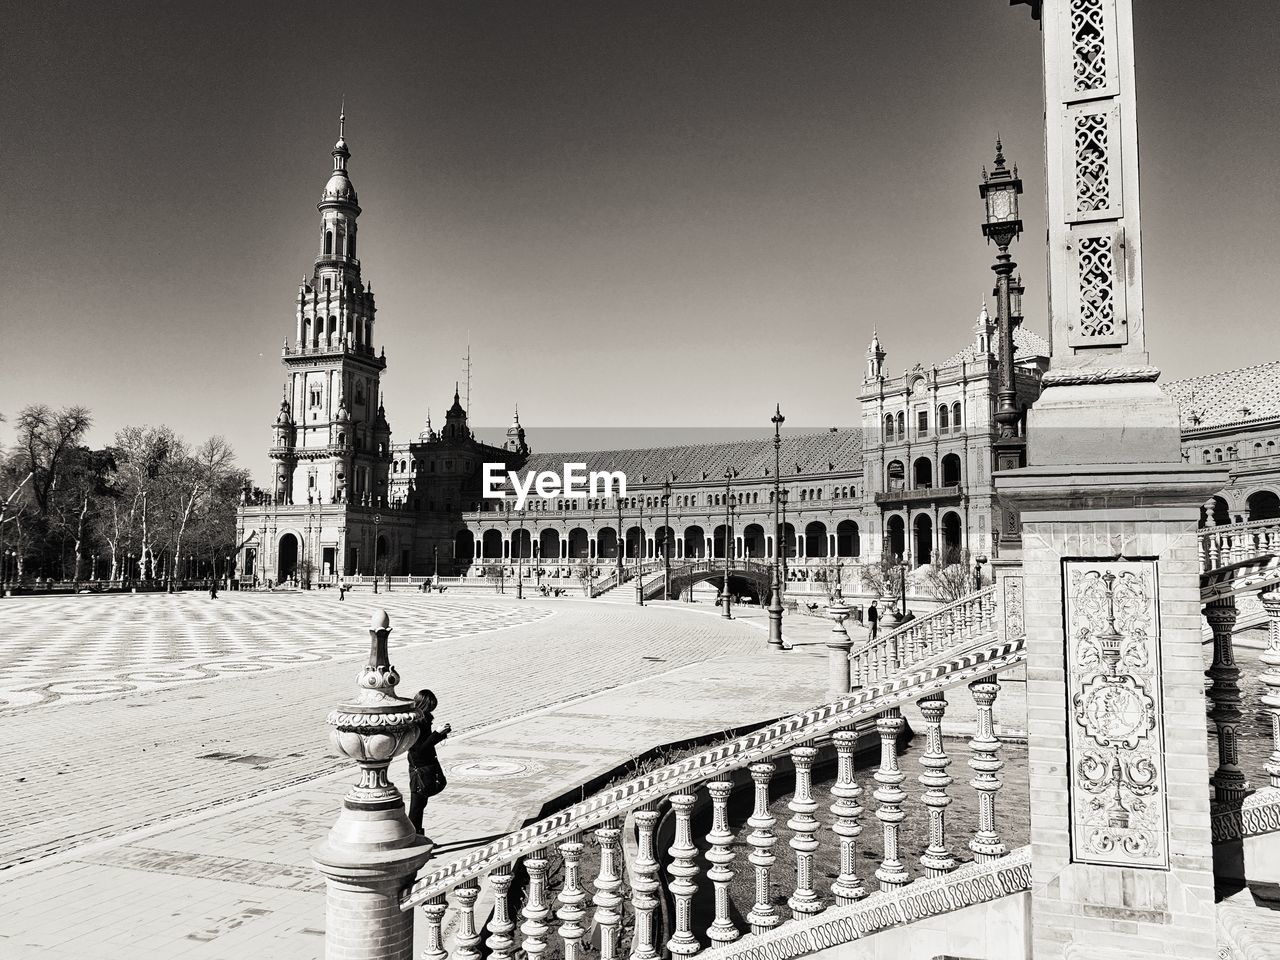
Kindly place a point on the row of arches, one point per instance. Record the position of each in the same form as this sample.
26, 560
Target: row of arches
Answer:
816, 541
1232, 452
922, 473
1259, 505
948, 418
923, 545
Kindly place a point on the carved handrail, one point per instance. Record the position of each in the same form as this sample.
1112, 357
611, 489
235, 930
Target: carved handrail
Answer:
937, 632
755, 748
1238, 542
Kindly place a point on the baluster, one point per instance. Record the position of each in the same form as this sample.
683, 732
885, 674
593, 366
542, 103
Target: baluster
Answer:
805, 901
571, 897
763, 915
856, 679
433, 913
935, 860
986, 764
501, 943
722, 931
536, 909
895, 652
608, 882
644, 886
845, 808
683, 869
1228, 781
891, 873
468, 938
1271, 700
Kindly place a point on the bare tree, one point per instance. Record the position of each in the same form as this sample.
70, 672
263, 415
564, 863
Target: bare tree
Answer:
45, 437
951, 578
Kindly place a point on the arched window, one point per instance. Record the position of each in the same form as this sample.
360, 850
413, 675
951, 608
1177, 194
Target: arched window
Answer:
328, 242
351, 242
1231, 453
888, 427
944, 419
895, 475
956, 421
902, 424
1208, 457
1217, 454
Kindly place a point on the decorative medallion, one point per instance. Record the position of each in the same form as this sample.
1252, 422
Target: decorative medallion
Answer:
1115, 741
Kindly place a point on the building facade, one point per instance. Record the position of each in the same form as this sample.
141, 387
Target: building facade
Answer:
911, 482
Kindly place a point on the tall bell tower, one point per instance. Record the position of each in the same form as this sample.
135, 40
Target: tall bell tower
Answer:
337, 445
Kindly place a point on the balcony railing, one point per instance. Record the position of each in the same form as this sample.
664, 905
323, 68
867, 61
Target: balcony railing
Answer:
921, 494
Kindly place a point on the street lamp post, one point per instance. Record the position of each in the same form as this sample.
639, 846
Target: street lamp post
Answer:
785, 496
520, 559
999, 190
666, 540
619, 540
726, 610
775, 599
640, 552
435, 565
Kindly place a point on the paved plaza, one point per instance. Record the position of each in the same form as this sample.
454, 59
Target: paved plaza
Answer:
164, 790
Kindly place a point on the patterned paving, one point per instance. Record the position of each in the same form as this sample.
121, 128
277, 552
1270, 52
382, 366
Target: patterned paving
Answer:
92, 647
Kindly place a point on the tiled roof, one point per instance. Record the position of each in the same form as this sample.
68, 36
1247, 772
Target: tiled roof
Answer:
1026, 344
1233, 396
835, 450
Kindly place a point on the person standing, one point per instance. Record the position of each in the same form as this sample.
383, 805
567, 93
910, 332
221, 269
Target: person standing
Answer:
873, 619
426, 776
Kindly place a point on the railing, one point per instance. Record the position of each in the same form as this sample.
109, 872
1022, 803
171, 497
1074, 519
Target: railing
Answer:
1237, 543
1236, 722
937, 633
638, 805
920, 494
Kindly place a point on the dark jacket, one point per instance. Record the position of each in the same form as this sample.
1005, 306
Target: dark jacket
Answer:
425, 773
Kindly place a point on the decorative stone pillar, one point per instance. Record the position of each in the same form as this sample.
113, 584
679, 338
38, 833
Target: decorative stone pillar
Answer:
373, 852
838, 647
1228, 780
1121, 845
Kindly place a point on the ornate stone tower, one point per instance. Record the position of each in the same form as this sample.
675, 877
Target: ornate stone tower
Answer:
332, 437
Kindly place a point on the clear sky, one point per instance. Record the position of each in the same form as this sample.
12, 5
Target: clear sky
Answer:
668, 212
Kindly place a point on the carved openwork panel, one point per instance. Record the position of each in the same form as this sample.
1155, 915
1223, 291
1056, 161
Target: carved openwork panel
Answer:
1097, 304
1115, 730
1089, 30
1094, 161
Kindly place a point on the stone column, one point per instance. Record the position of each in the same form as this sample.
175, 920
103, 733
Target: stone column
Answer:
372, 853
838, 647
1121, 846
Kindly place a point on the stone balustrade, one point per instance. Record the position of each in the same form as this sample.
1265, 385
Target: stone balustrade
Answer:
676, 791
1238, 543
949, 629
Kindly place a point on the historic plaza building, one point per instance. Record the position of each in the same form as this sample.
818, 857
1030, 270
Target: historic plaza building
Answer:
911, 483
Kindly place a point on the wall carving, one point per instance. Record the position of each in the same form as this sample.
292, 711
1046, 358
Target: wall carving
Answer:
1115, 742
1097, 308
1093, 175
1088, 48
1014, 623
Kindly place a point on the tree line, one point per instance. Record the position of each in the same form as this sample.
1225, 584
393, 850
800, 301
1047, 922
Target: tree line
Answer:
149, 506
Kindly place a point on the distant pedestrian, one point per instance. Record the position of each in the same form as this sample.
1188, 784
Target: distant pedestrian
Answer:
426, 776
213, 590
342, 591
873, 619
